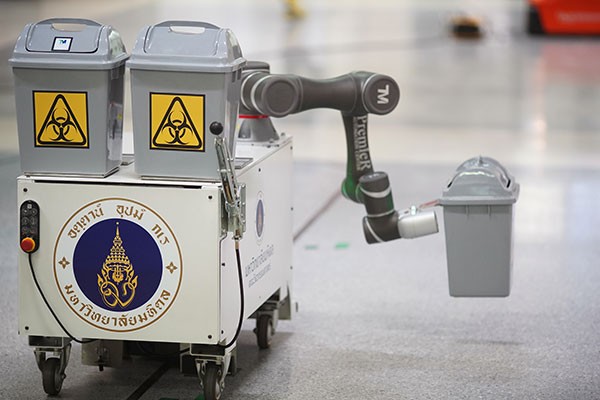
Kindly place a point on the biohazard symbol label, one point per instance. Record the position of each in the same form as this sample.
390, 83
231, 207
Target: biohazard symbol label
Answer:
60, 119
176, 122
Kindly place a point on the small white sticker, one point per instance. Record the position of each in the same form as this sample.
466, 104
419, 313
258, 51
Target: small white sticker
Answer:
62, 44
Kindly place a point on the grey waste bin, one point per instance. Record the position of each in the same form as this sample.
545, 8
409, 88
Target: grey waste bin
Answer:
478, 218
185, 85
69, 95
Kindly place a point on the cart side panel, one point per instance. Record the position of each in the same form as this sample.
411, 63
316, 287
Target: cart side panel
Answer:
266, 248
178, 234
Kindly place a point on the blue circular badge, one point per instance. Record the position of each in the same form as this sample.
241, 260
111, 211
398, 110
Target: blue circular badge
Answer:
117, 265
260, 218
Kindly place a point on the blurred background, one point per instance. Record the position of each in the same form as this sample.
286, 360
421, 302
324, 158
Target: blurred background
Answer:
376, 322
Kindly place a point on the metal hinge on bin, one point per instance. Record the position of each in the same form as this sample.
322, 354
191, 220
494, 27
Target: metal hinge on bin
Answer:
234, 193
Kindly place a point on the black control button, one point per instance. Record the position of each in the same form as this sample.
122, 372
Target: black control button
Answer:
216, 128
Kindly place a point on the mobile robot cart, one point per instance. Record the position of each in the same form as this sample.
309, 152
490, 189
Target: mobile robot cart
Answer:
195, 296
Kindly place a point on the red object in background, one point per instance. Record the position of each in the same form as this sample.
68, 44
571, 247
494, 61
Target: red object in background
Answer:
564, 17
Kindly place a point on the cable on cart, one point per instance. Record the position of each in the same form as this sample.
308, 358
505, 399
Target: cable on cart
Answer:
73, 338
242, 305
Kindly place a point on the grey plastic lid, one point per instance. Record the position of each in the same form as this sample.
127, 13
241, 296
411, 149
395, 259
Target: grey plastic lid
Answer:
68, 43
479, 181
186, 46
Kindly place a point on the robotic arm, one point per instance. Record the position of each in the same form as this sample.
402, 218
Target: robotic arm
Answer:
356, 95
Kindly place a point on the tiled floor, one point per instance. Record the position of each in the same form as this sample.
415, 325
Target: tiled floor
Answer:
376, 322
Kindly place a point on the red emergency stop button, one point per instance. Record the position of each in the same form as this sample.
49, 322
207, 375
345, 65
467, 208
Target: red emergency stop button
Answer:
28, 245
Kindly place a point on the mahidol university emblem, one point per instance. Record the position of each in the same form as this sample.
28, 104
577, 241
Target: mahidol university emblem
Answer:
117, 280
117, 264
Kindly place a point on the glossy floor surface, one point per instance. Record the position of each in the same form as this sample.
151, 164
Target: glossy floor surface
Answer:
377, 322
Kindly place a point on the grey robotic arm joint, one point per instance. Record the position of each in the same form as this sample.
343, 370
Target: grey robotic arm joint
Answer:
355, 95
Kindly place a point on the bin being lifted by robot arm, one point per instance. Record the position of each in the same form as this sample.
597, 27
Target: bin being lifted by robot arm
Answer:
478, 216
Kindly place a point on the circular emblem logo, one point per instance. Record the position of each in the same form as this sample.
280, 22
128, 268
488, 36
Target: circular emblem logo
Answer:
117, 265
260, 217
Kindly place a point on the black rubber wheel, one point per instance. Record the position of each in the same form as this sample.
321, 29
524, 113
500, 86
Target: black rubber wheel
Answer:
52, 379
212, 382
264, 331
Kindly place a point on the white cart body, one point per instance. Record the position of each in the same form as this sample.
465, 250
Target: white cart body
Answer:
197, 299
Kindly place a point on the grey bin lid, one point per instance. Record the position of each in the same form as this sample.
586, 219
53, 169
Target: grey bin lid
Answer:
68, 43
186, 46
481, 181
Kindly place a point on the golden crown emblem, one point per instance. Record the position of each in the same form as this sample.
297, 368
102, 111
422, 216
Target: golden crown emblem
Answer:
117, 280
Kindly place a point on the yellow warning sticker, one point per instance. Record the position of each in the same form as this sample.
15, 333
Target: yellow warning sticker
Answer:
176, 122
60, 119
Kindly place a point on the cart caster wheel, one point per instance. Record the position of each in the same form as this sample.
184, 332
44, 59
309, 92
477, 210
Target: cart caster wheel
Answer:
212, 382
52, 378
264, 331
